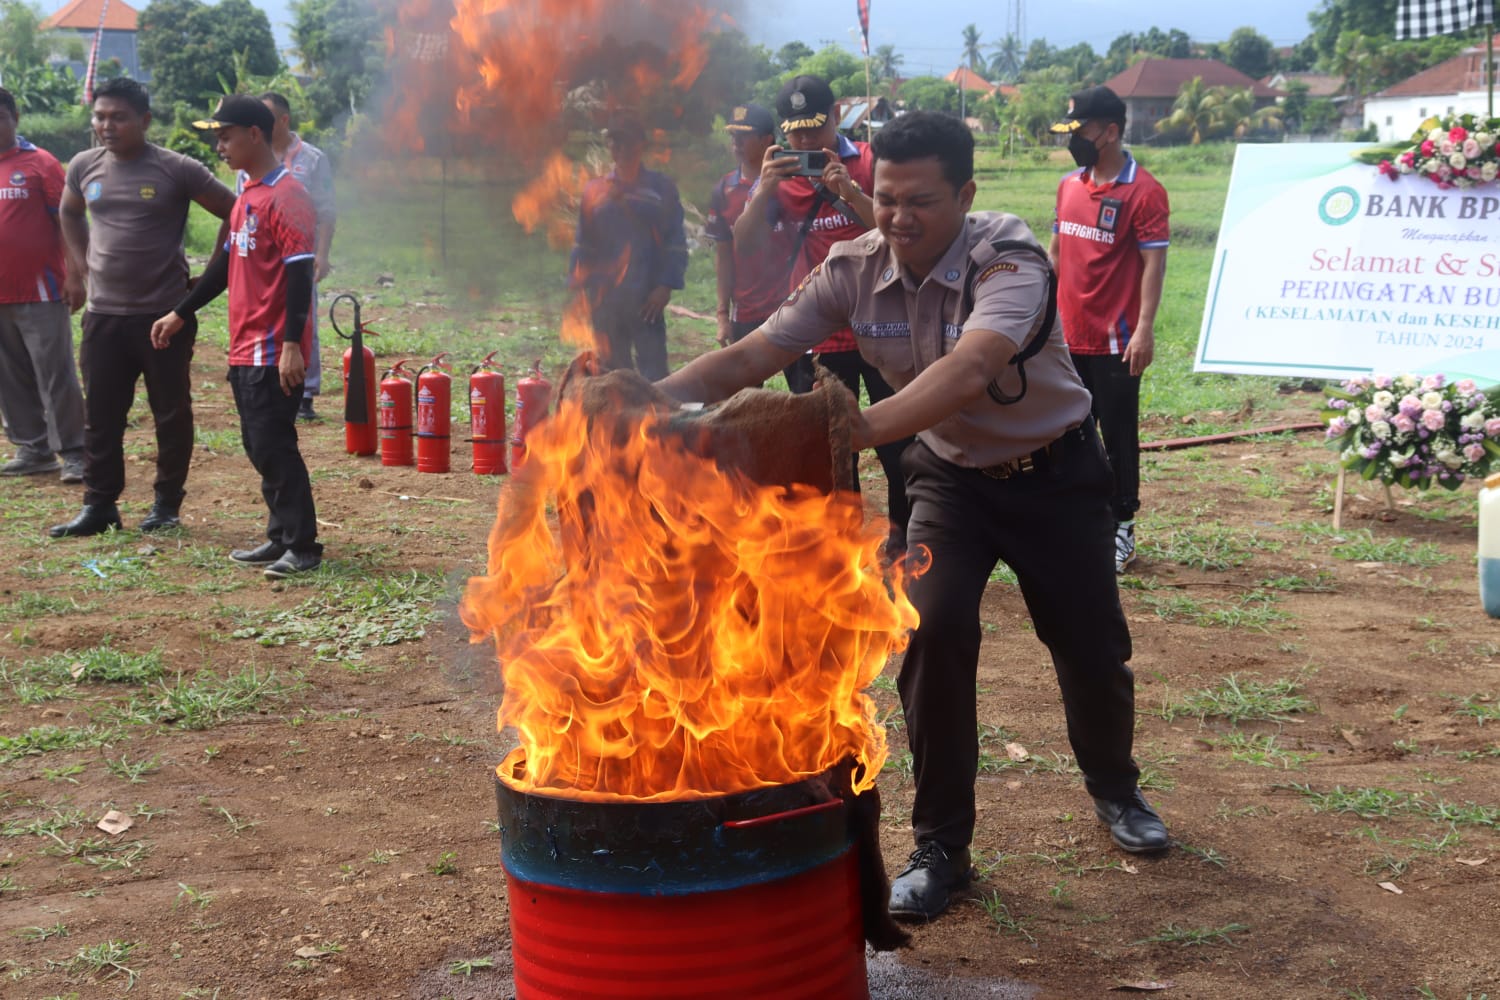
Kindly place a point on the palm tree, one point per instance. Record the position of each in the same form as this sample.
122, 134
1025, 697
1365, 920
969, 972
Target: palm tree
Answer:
972, 56
1193, 113
1010, 56
887, 63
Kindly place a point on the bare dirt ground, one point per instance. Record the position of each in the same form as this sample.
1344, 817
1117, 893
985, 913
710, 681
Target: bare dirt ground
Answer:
1318, 715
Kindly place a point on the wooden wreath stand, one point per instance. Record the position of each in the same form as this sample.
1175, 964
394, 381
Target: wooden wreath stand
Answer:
1338, 500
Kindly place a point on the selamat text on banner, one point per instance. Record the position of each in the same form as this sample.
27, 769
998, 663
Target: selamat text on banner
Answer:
1326, 269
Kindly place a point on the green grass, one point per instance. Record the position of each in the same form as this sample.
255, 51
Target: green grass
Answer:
344, 617
1480, 707
1262, 750
1206, 547
1195, 937
1245, 699
46, 739
1254, 611
205, 700
995, 908
1385, 803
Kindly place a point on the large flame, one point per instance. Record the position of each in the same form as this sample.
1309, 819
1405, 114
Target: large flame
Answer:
678, 631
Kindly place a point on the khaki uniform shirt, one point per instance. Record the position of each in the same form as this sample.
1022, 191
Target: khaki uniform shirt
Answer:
902, 327
138, 211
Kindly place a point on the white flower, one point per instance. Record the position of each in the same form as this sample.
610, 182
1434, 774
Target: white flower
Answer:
1438, 135
1381, 429
1383, 399
1488, 171
1408, 382
1432, 400
1353, 415
1450, 458
1483, 138
1472, 421
1457, 161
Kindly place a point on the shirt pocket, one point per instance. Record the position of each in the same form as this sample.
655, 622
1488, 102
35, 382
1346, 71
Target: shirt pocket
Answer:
891, 354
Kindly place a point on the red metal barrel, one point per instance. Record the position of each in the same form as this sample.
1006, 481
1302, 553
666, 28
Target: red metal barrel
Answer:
750, 895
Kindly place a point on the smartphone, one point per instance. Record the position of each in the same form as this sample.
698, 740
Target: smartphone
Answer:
813, 161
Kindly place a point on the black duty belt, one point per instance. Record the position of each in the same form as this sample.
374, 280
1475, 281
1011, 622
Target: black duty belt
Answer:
1046, 456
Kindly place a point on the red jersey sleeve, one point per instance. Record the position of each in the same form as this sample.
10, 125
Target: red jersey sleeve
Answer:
52, 182
1152, 231
293, 222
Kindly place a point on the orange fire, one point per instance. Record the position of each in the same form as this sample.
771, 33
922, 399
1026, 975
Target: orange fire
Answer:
678, 631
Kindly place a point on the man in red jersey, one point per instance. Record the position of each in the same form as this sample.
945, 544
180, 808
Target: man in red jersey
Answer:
38, 382
268, 268
811, 214
1109, 246
750, 286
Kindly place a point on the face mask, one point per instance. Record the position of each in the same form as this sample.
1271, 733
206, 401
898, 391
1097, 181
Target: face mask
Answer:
1084, 152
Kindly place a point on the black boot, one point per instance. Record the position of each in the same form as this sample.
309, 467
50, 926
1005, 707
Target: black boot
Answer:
935, 873
1133, 824
94, 519
162, 517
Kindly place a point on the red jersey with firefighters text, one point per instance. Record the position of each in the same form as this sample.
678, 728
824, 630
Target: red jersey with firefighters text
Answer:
31, 248
760, 279
795, 198
1101, 230
272, 224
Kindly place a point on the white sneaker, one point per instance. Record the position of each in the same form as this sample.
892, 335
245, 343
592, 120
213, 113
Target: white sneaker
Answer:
1124, 545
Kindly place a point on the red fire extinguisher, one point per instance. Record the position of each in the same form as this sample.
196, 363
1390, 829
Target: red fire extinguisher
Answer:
487, 417
395, 416
359, 391
434, 415
533, 395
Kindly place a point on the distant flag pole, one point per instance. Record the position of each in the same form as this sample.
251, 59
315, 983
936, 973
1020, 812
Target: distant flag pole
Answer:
864, 46
88, 79
1425, 18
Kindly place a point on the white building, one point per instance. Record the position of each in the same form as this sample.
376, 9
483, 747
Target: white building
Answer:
1457, 86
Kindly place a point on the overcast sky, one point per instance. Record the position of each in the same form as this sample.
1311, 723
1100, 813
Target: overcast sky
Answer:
928, 33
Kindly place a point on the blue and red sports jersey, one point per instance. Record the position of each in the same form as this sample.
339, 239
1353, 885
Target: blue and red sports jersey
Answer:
759, 278
272, 224
1101, 230
31, 248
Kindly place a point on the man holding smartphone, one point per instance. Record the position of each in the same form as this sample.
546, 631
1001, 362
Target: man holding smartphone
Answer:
796, 204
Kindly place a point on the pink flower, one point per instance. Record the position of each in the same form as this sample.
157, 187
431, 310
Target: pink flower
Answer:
1465, 386
1374, 413
1389, 170
1408, 158
1457, 134
1471, 149
1384, 381
1403, 423
1410, 405
1492, 427
1474, 452
1338, 425
1427, 148
1434, 420
1434, 382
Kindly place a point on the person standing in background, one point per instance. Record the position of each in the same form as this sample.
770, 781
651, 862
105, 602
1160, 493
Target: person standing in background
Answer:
311, 166
1109, 246
39, 395
630, 253
131, 264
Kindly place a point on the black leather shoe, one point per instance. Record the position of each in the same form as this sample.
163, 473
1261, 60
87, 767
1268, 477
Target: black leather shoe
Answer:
263, 555
161, 518
1133, 824
94, 519
292, 564
933, 875
305, 410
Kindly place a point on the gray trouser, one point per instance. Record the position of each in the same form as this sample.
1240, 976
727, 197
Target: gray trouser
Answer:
39, 394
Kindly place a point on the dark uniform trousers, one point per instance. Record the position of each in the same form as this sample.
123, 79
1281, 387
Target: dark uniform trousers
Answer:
1053, 527
268, 428
850, 367
1117, 408
115, 352
624, 332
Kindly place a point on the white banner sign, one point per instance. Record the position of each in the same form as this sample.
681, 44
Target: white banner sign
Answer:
1326, 269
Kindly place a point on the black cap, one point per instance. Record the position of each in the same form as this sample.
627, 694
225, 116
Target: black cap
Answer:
804, 102
751, 119
243, 110
1094, 103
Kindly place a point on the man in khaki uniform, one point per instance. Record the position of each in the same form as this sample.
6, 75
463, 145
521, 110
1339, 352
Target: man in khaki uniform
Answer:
958, 313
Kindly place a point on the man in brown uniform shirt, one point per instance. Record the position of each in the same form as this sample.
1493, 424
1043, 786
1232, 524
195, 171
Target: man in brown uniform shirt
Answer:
137, 195
958, 313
